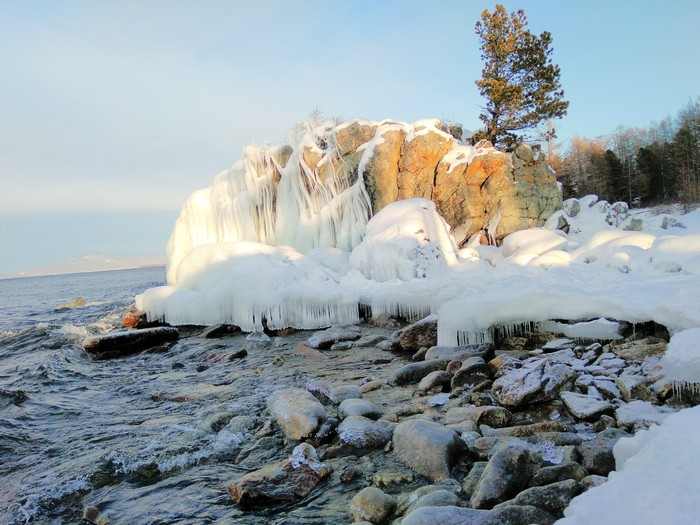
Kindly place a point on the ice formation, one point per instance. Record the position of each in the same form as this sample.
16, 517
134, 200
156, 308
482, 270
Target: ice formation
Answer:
655, 479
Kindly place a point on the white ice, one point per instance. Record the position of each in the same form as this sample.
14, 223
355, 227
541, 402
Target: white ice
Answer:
655, 481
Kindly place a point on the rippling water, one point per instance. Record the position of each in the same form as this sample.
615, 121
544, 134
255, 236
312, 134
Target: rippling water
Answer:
144, 439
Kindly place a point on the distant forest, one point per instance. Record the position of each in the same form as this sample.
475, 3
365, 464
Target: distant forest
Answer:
641, 166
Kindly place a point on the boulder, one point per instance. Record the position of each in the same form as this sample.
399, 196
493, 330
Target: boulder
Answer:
363, 433
537, 381
287, 480
552, 498
597, 455
373, 505
460, 353
452, 515
416, 336
473, 371
430, 449
359, 407
127, 342
415, 372
437, 379
561, 472
296, 411
505, 475
324, 339
219, 330
483, 415
585, 407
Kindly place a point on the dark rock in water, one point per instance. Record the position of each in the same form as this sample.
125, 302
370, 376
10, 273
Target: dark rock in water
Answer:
491, 416
276, 483
93, 515
239, 354
324, 339
414, 372
597, 455
428, 448
220, 330
416, 336
78, 302
127, 342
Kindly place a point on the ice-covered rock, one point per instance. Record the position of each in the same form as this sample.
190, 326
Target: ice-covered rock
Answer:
585, 407
538, 380
324, 339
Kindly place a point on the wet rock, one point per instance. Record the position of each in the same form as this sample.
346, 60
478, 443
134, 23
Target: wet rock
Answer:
343, 345
450, 515
418, 335
522, 430
597, 455
128, 342
505, 475
460, 353
552, 498
472, 479
359, 407
473, 371
537, 381
428, 448
437, 498
385, 479
369, 340
414, 372
343, 392
519, 515
561, 472
287, 480
220, 330
78, 302
373, 505
438, 379
324, 339
93, 515
585, 407
363, 433
484, 415
350, 474
238, 354
296, 411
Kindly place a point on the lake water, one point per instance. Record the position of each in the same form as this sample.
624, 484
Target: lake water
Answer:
145, 439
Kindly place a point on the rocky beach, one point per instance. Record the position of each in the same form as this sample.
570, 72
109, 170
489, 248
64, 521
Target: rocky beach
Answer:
375, 423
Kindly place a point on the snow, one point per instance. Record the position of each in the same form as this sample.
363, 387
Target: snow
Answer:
655, 481
682, 359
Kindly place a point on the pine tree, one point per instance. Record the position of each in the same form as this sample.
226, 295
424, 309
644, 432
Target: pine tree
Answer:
519, 81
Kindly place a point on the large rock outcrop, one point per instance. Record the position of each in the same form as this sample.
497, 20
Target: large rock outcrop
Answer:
321, 190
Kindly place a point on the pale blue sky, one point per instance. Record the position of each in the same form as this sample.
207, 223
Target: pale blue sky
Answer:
113, 112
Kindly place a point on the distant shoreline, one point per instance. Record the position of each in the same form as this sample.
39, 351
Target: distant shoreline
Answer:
25, 275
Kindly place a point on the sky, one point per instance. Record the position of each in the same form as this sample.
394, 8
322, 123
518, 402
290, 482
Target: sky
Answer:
112, 113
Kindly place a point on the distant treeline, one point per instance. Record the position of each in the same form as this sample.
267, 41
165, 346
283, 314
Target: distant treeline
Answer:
644, 167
